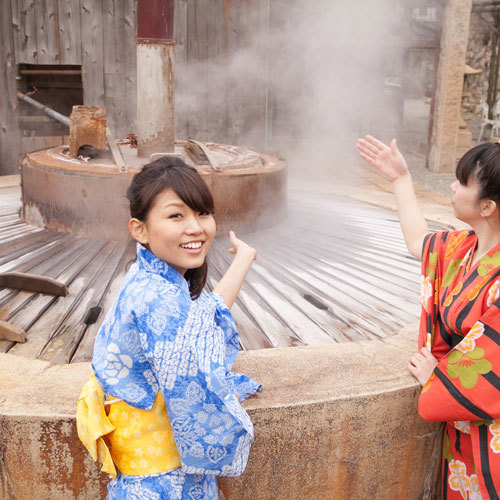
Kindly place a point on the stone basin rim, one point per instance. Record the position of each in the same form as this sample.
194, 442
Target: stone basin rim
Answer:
265, 365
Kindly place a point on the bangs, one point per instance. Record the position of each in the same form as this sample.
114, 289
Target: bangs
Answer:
474, 160
168, 173
191, 189
467, 165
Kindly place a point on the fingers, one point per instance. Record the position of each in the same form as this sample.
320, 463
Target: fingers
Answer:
370, 159
366, 153
412, 369
235, 243
232, 239
366, 147
420, 357
379, 145
426, 353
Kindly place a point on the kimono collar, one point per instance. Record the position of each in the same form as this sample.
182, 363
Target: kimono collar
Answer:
150, 262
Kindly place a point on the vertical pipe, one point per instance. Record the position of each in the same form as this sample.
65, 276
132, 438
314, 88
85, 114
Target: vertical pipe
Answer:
155, 76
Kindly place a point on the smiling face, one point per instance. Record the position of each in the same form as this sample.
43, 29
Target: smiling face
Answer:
174, 232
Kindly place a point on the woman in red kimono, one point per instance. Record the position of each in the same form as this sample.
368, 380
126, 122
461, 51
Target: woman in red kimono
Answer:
458, 363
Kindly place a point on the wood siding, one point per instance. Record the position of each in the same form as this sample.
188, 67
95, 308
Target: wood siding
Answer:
215, 98
10, 141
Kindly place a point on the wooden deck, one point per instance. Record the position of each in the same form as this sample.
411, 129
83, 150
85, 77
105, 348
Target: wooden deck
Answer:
333, 271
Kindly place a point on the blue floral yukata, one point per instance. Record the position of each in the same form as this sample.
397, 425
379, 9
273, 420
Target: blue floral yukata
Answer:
157, 339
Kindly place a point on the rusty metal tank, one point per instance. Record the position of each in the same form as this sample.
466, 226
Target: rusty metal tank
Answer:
87, 196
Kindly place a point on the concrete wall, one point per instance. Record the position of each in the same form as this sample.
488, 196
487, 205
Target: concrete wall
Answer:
333, 422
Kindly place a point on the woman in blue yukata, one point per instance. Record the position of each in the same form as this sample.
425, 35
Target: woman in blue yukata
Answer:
162, 410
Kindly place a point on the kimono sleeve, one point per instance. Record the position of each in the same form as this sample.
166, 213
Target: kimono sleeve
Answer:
432, 256
212, 432
240, 384
465, 385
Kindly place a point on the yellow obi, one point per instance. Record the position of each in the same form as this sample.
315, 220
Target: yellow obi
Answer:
138, 441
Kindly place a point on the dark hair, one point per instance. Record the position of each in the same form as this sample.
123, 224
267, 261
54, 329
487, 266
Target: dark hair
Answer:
482, 161
171, 172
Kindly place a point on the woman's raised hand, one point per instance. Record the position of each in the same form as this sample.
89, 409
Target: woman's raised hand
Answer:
388, 160
230, 284
240, 247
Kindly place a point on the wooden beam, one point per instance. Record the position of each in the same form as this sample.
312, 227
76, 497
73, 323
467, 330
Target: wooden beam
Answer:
10, 141
32, 283
11, 332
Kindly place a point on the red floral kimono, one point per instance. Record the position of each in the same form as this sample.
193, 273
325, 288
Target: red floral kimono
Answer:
460, 324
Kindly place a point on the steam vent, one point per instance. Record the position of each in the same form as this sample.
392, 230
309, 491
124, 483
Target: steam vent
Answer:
326, 316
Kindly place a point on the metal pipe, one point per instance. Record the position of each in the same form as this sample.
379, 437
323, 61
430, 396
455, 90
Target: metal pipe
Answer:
48, 111
155, 77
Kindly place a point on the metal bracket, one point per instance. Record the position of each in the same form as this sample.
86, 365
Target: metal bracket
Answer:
156, 156
115, 151
202, 148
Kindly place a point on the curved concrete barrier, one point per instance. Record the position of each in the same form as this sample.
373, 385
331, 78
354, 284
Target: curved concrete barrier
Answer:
336, 422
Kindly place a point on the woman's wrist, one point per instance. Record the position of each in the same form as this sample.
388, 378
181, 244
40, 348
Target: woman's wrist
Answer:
403, 178
247, 253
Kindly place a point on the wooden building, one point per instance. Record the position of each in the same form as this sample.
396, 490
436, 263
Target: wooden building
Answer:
230, 70
93, 42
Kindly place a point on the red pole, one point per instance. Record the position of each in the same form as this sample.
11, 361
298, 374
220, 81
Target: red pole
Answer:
155, 20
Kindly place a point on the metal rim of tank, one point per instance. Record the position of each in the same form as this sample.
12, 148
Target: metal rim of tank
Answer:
88, 197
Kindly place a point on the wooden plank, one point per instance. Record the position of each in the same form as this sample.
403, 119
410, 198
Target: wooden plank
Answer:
25, 308
11, 198
236, 44
115, 92
11, 333
130, 66
276, 332
22, 232
197, 46
25, 261
250, 334
35, 143
12, 303
13, 232
24, 239
46, 313
85, 347
181, 69
27, 48
92, 52
64, 342
351, 305
247, 78
33, 283
10, 143
217, 70
47, 32
16, 27
70, 31
283, 300
5, 225
337, 330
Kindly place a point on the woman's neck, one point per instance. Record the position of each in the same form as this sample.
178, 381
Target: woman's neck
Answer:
488, 236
